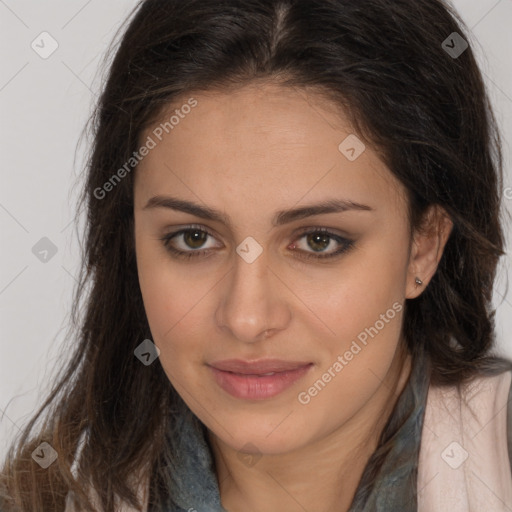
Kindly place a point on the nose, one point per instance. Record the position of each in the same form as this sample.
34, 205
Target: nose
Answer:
253, 304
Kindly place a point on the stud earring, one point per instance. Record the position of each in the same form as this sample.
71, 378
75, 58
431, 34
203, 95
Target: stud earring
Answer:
418, 281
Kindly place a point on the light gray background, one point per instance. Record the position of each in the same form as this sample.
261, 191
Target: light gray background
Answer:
45, 104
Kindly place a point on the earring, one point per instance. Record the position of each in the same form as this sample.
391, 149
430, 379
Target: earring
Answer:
418, 281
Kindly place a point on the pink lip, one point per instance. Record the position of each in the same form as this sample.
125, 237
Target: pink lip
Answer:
245, 380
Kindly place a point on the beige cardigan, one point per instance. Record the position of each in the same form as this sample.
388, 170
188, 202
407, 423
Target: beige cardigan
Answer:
464, 463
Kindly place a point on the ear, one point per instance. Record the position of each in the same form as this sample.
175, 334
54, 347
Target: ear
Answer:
427, 248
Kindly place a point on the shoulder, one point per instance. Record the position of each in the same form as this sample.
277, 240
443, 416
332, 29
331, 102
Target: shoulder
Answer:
466, 446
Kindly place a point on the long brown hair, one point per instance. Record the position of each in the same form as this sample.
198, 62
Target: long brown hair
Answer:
425, 110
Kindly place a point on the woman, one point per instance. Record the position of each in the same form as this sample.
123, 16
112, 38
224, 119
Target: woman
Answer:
293, 232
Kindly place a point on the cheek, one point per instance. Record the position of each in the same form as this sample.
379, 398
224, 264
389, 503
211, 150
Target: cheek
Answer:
353, 297
171, 299
173, 314
361, 326
366, 317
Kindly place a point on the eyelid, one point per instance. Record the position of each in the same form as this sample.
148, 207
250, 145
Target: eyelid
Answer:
300, 232
313, 229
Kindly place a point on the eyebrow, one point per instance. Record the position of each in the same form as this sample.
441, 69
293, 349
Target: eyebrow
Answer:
281, 217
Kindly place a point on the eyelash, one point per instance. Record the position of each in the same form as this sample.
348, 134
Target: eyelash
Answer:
346, 243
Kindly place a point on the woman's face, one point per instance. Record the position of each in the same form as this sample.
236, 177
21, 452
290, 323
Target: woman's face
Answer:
332, 302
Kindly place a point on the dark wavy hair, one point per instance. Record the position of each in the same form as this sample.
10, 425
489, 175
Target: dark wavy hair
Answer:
424, 110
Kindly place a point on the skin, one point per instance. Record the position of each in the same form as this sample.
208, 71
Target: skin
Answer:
250, 153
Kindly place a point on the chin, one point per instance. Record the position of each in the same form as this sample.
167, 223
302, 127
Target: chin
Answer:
262, 435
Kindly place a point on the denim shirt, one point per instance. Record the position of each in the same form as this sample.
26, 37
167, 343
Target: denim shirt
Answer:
196, 489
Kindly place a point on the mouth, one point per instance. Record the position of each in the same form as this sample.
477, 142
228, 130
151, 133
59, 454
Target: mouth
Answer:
257, 380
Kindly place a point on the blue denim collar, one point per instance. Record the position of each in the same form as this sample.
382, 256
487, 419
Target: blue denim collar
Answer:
195, 487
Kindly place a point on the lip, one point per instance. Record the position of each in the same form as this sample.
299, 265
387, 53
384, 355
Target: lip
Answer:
257, 367
246, 380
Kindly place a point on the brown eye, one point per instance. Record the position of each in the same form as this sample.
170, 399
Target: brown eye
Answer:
194, 238
319, 239
318, 242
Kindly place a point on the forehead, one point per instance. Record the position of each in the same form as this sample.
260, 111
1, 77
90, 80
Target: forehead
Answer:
261, 142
